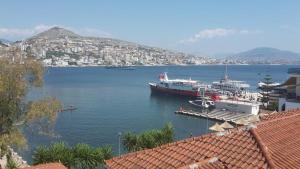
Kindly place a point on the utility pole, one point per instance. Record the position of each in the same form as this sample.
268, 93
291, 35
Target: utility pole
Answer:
119, 135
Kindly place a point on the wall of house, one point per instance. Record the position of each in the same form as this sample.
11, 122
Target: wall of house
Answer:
282, 102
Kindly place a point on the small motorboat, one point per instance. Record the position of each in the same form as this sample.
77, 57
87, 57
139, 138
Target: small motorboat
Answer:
202, 103
210, 103
199, 103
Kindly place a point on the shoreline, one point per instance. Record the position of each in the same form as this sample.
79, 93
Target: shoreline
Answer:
182, 65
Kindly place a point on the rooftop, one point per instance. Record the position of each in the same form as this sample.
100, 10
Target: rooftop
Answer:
47, 166
272, 143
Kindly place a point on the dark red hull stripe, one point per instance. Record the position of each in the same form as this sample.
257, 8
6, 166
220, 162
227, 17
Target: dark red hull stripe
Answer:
174, 91
189, 93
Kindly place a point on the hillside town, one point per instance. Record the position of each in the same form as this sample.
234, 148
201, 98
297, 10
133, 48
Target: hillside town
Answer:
60, 47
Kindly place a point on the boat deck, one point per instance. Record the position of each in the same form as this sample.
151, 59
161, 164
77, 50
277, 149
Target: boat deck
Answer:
221, 115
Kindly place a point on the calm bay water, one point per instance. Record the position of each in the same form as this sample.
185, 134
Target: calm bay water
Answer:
111, 101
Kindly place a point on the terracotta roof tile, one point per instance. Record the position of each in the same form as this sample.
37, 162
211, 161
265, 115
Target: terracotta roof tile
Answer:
178, 154
274, 143
47, 166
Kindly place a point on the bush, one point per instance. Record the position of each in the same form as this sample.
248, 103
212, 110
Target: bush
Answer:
148, 139
79, 156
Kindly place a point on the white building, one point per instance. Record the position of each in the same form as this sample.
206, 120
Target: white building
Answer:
291, 98
238, 106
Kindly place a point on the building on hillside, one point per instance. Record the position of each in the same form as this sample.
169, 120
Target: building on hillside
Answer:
271, 143
290, 91
47, 166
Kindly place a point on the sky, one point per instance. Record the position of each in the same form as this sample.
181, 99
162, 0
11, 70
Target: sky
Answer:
208, 27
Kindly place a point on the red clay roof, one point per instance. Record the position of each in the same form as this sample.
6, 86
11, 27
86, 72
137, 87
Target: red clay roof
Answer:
281, 136
273, 143
47, 166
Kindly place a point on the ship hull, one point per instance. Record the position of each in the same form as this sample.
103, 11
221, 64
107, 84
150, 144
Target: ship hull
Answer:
164, 90
185, 93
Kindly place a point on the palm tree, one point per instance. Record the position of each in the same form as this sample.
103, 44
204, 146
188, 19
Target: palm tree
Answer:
80, 156
130, 141
11, 164
148, 139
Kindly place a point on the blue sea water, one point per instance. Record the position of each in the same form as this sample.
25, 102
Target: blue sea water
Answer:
113, 100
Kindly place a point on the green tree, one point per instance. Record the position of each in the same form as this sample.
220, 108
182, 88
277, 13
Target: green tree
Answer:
148, 139
17, 75
79, 156
265, 90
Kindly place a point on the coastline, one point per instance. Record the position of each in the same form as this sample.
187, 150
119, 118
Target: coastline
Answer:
183, 65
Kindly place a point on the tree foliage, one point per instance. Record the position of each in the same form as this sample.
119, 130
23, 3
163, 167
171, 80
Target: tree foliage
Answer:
17, 75
79, 156
266, 89
148, 139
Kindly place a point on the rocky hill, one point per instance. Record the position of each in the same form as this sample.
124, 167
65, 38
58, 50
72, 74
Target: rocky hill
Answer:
4, 42
54, 33
61, 47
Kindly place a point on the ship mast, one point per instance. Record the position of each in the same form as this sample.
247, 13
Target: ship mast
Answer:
226, 75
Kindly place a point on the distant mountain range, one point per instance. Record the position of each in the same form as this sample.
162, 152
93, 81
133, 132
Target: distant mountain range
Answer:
266, 55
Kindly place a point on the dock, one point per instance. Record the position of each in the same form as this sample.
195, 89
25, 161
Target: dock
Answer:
222, 115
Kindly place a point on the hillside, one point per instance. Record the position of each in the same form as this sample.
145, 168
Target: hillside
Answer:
5, 42
59, 46
54, 33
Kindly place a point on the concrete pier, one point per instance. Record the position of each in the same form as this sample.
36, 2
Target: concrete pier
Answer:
222, 115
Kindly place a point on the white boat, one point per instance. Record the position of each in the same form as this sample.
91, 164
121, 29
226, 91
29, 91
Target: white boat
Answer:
202, 103
262, 84
226, 84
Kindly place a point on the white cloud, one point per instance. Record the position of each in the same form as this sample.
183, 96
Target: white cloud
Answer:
216, 33
22, 33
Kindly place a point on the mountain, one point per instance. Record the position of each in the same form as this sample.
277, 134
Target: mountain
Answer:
267, 55
58, 46
54, 33
5, 42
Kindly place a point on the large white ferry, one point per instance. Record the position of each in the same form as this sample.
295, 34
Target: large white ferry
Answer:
182, 87
227, 84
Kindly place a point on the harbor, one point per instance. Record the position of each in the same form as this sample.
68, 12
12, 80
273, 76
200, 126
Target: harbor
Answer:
230, 99
122, 100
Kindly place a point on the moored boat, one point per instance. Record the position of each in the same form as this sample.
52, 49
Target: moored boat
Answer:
202, 103
122, 67
181, 87
234, 86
